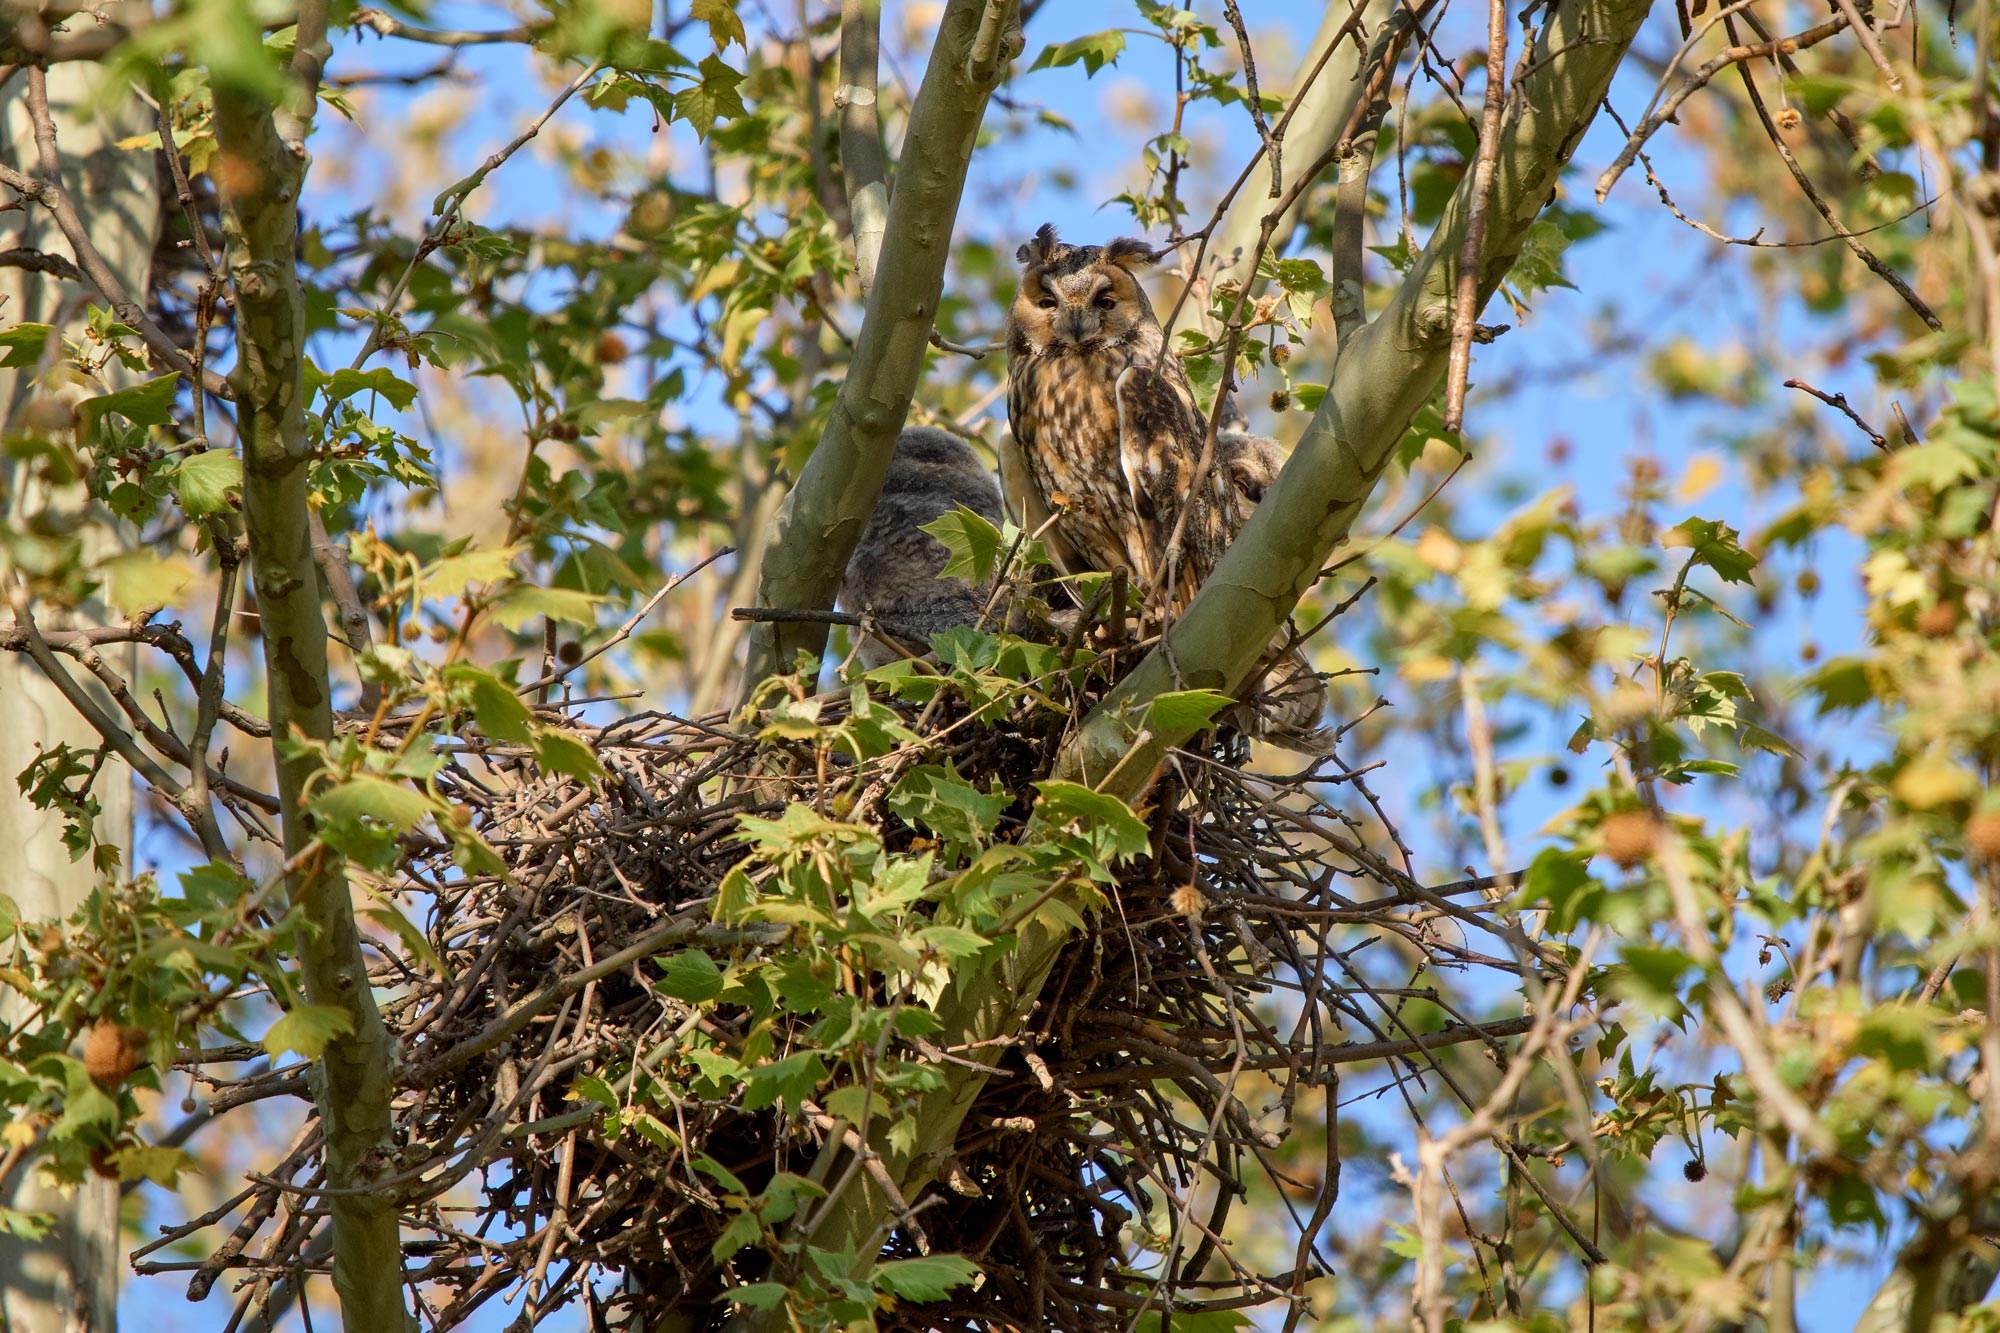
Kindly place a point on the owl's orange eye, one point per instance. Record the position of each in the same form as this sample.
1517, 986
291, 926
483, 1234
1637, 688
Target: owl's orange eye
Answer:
1106, 301
1047, 303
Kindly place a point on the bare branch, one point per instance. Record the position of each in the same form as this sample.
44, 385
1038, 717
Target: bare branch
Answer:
390, 26
1665, 109
1839, 400
1825, 210
49, 192
36, 262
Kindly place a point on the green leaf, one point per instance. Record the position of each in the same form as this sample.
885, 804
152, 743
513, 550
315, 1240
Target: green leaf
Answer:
148, 404
721, 1175
714, 97
792, 1080
564, 753
1842, 685
524, 602
498, 710
1539, 265
306, 1030
84, 1103
364, 796
10, 915
1899, 1034
952, 808
1210, 1321
1063, 802
930, 1278
952, 942
973, 542
25, 1226
26, 345
1714, 544
1184, 710
690, 975
202, 482
758, 1295
1561, 882
1095, 51
344, 384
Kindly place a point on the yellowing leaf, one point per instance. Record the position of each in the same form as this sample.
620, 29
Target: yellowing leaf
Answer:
306, 1030
141, 581
451, 575
1931, 781
1704, 472
144, 1161
1438, 549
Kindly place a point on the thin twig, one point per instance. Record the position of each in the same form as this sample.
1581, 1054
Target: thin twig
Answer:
1839, 400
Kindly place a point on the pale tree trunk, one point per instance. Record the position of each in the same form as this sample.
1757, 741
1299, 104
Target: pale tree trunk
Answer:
70, 1280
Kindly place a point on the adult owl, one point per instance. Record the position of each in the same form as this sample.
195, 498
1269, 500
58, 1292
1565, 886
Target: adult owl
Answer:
1108, 441
894, 570
1105, 420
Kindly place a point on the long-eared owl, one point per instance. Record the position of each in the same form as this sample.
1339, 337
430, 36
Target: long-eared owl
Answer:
1105, 420
1108, 440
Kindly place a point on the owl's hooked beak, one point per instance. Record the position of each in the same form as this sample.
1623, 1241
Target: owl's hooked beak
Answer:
1073, 321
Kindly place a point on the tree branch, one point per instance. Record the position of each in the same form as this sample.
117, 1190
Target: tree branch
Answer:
1323, 101
1468, 298
862, 168
389, 26
260, 221
823, 516
49, 192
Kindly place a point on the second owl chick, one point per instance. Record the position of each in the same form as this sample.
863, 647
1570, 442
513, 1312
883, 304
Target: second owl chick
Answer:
894, 570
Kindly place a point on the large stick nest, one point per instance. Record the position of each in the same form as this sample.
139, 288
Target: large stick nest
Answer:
1178, 1035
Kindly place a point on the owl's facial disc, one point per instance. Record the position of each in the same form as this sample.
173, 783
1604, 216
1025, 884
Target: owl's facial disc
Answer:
1076, 307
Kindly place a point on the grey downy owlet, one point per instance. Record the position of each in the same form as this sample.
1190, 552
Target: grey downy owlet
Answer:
893, 574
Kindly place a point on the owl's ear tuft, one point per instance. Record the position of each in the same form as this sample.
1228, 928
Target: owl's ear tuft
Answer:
1038, 250
1129, 252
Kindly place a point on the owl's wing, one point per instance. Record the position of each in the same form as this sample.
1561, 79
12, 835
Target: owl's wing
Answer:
1028, 510
1159, 444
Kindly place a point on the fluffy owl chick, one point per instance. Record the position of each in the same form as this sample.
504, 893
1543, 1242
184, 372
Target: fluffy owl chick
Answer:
894, 571
1250, 463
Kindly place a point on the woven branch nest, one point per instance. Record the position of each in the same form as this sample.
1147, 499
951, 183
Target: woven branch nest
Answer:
1176, 1037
